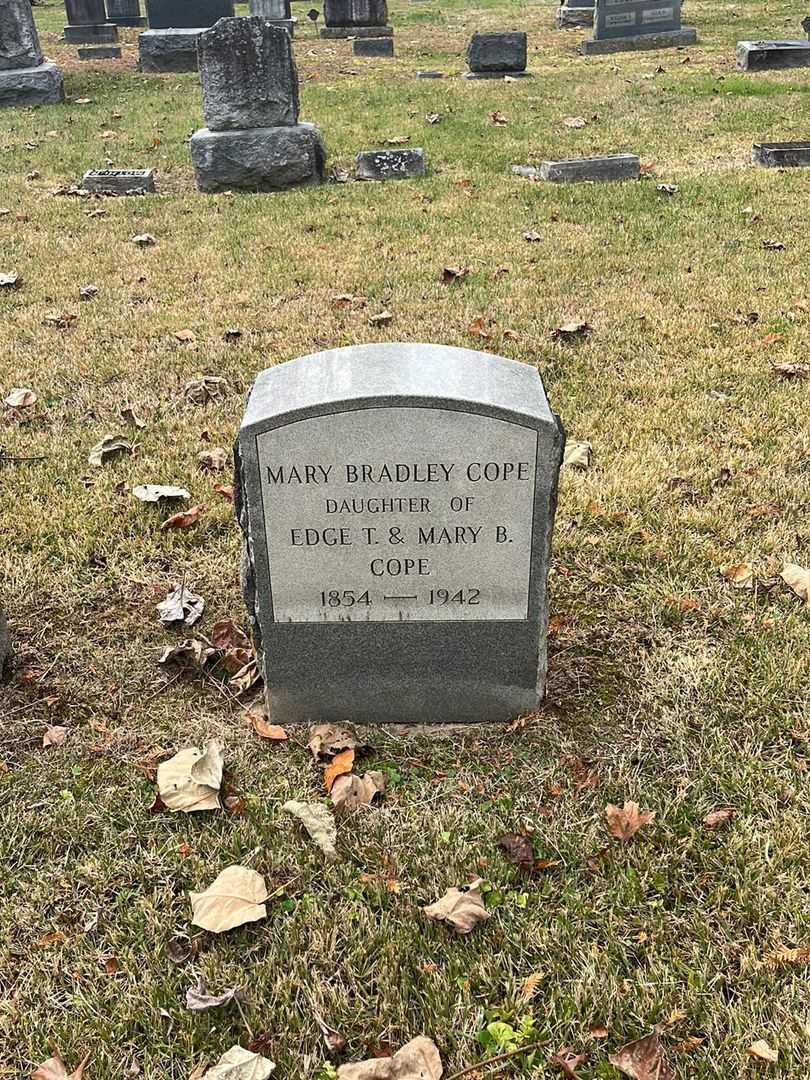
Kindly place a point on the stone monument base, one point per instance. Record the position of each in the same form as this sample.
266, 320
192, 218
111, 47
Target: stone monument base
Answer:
91, 34
356, 31
772, 55
41, 85
169, 50
568, 17
666, 39
497, 75
258, 159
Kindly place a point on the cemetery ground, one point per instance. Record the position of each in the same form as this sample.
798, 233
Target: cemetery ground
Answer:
670, 684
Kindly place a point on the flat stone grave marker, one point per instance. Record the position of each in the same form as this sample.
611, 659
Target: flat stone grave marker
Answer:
397, 503
786, 155
119, 181
599, 168
404, 164
621, 25
100, 52
25, 77
495, 55
383, 46
772, 55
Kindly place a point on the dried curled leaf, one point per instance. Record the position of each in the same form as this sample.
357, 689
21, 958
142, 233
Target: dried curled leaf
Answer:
624, 822
263, 728
199, 1000
643, 1059
237, 896
205, 388
341, 763
350, 791
54, 1069
327, 740
20, 397
111, 446
741, 575
462, 908
191, 779
54, 736
180, 606
716, 818
153, 493
240, 1064
578, 455
762, 1052
519, 850
785, 957
213, 460
574, 329
317, 821
184, 519
417, 1060
190, 656
797, 578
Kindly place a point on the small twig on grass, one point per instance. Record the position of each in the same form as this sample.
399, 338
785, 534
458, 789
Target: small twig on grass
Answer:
244, 1018
9, 457
494, 1060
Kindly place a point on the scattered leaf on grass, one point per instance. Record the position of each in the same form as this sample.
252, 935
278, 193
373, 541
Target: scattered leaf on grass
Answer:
144, 239
213, 460
350, 791
498, 119
532, 237
180, 948
741, 575
192, 778
54, 1069
54, 736
463, 908
477, 328
688, 1045
784, 957
237, 896
573, 329
530, 986
240, 1064
264, 729
180, 606
205, 388
129, 415
153, 493
382, 319
574, 122
716, 818
791, 371
397, 140
317, 821
20, 398
341, 763
578, 455
184, 519
762, 1052
185, 336
87, 292
190, 655
451, 274
326, 740
598, 1031
568, 1061
797, 578
417, 1060
109, 447
10, 280
643, 1059
199, 1000
624, 822
519, 850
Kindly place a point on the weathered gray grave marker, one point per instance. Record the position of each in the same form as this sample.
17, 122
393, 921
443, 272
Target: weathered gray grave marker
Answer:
596, 169
125, 13
170, 43
253, 140
397, 503
787, 155
496, 55
26, 78
99, 52
621, 25
382, 46
403, 164
119, 181
572, 13
276, 12
772, 55
356, 18
87, 23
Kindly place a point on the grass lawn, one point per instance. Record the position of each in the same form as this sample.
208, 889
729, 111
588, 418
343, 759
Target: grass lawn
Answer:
667, 685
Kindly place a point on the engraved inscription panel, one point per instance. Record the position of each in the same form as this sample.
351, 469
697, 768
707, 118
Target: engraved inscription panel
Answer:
396, 513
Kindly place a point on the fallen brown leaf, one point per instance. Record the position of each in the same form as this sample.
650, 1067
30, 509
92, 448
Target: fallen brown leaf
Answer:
451, 274
237, 896
741, 575
350, 791
341, 763
54, 736
715, 818
519, 850
643, 1059
184, 519
797, 578
568, 1062
499, 119
417, 1060
573, 329
382, 319
20, 398
326, 740
477, 328
264, 729
185, 335
624, 822
463, 908
791, 371
785, 957
54, 1069
762, 1052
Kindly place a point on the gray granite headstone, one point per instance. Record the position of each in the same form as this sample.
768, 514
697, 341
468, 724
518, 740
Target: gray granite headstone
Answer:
85, 12
248, 75
382, 46
637, 24
599, 168
502, 53
19, 42
271, 9
125, 13
787, 155
397, 503
403, 164
772, 55
355, 18
180, 14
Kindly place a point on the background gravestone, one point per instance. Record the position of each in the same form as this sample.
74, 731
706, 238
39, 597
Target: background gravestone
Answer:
180, 14
397, 503
494, 55
25, 77
170, 43
125, 13
355, 18
276, 12
637, 24
87, 23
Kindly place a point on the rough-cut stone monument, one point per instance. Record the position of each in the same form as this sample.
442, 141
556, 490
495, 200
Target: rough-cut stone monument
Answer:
397, 503
253, 140
87, 23
125, 13
621, 25
170, 43
276, 12
772, 55
356, 18
494, 56
26, 78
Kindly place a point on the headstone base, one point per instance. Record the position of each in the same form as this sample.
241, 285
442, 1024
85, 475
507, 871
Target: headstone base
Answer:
356, 31
390, 164
568, 17
497, 75
100, 52
383, 46
41, 85
772, 55
258, 159
667, 39
91, 34
786, 155
169, 50
604, 167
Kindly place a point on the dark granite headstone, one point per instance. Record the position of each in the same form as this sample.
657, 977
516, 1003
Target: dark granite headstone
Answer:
787, 155
248, 75
637, 24
383, 46
492, 53
183, 14
772, 55
600, 168
168, 50
355, 12
85, 12
273, 10
397, 503
391, 164
125, 13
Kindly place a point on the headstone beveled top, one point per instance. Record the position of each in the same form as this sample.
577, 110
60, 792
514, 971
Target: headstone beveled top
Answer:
19, 41
186, 14
248, 75
397, 502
